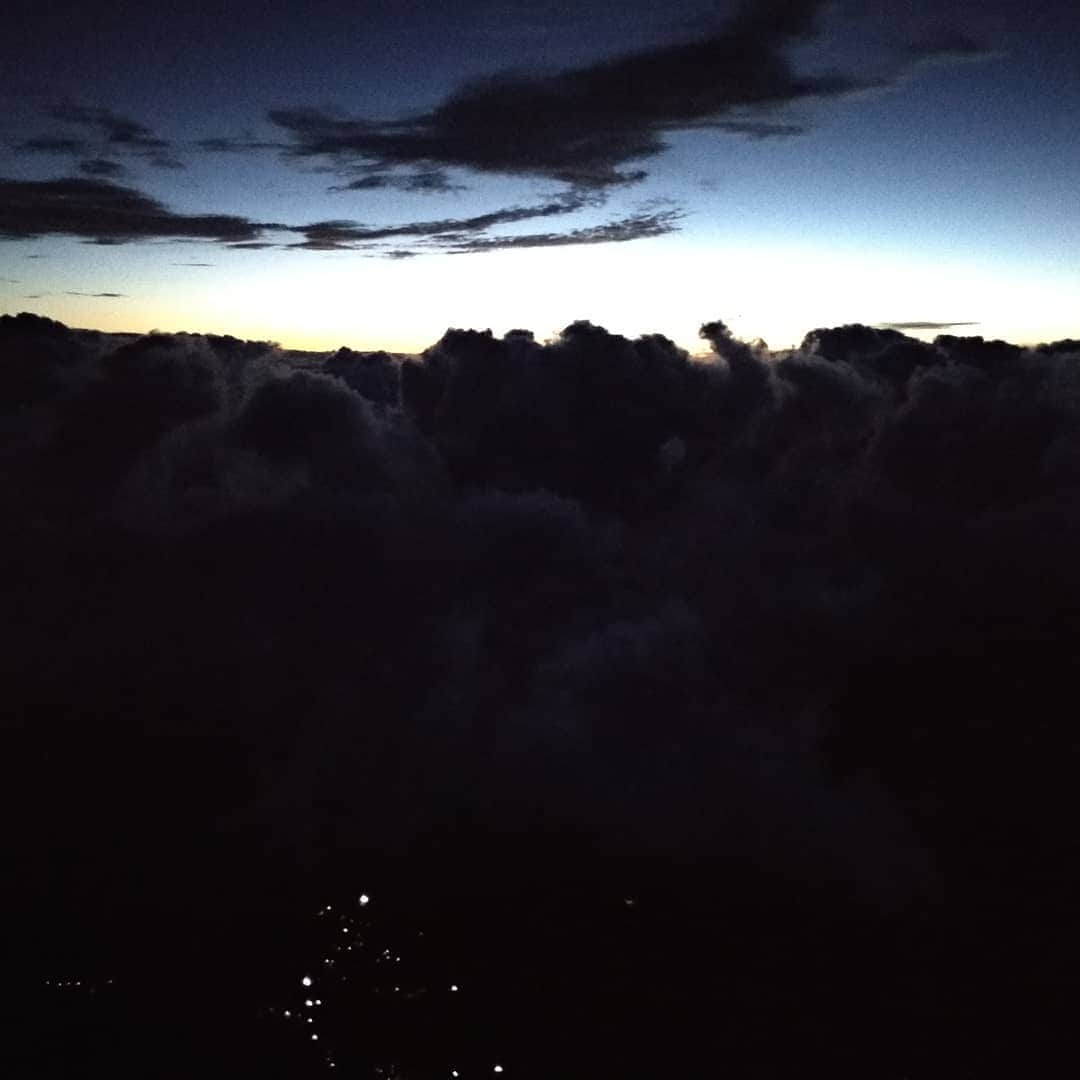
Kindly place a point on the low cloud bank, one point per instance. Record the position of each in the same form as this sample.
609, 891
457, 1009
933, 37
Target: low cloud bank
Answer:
591, 581
509, 605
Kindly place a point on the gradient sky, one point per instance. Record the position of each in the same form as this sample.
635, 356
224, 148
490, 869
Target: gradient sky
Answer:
781, 166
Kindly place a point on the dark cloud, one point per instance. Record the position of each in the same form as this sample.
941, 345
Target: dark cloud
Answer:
54, 144
511, 608
344, 234
922, 325
427, 181
227, 145
758, 129
99, 295
165, 161
105, 213
101, 167
587, 126
634, 227
116, 130
194, 264
949, 44
107, 134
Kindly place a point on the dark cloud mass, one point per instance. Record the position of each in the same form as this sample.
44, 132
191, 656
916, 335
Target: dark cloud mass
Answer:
733, 628
586, 126
105, 213
101, 295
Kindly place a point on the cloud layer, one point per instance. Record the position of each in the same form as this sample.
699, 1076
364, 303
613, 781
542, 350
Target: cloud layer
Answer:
105, 213
590, 126
508, 606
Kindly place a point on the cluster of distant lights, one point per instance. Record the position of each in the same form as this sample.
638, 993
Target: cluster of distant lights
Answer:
307, 981
86, 986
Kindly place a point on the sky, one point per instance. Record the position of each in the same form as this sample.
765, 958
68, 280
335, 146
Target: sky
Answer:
372, 173
549, 624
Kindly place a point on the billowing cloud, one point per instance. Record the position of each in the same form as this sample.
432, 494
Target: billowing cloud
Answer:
105, 213
513, 607
590, 126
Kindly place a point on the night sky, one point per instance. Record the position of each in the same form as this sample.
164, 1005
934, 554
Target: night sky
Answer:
794, 165
536, 537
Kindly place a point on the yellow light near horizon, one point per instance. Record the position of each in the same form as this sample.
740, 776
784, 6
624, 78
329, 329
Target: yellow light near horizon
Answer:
671, 286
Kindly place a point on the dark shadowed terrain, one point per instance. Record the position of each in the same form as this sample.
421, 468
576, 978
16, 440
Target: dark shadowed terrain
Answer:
631, 686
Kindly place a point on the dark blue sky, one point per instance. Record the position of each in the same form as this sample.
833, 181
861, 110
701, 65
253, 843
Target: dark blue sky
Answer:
779, 165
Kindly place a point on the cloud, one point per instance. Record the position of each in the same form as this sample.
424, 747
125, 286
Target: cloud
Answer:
194, 264
116, 130
106, 135
949, 45
99, 295
634, 227
922, 325
588, 126
106, 213
428, 181
743, 613
331, 235
101, 167
53, 144
229, 145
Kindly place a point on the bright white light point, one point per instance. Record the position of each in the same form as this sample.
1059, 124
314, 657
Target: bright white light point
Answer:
318, 1001
314, 1038
344, 929
498, 1068
288, 1012
308, 1002
364, 899
453, 987
306, 980
454, 1072
310, 1020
